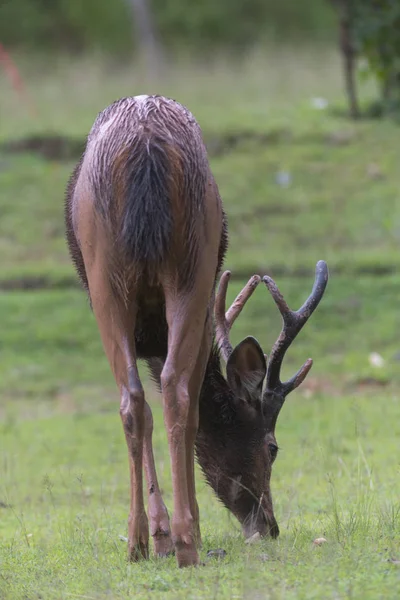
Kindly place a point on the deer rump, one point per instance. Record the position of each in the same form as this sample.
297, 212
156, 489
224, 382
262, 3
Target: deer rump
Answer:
146, 174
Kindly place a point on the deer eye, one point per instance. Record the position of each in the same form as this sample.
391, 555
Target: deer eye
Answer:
273, 450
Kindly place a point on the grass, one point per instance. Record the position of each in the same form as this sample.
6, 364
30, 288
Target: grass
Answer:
63, 462
65, 481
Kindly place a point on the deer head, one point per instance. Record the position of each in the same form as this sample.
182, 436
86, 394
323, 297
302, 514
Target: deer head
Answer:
236, 443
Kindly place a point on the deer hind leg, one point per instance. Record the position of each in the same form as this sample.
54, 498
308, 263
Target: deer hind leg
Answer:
133, 421
186, 316
158, 514
193, 422
116, 321
156, 366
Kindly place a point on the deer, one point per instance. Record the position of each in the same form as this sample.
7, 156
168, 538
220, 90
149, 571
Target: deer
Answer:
147, 233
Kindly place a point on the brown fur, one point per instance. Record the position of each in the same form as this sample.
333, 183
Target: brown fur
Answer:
147, 234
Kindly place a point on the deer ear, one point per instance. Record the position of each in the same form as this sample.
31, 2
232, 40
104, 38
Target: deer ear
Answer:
246, 369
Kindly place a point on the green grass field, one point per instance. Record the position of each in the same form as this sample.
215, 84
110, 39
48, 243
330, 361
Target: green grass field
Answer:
64, 479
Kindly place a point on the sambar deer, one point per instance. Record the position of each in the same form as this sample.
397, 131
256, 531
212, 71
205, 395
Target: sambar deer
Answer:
147, 233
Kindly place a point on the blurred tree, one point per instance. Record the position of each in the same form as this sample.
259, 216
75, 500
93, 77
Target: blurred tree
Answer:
371, 30
70, 25
198, 25
345, 10
149, 44
377, 33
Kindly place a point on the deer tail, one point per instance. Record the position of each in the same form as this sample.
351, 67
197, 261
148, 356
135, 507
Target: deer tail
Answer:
151, 176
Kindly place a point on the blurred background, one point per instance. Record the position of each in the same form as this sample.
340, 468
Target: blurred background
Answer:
299, 106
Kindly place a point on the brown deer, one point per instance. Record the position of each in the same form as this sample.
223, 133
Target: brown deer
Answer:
147, 233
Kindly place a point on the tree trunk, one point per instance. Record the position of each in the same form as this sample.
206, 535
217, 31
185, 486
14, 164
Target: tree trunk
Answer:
349, 63
149, 46
346, 44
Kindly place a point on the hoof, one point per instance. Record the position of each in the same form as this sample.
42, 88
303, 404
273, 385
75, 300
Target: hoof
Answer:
138, 552
163, 545
186, 555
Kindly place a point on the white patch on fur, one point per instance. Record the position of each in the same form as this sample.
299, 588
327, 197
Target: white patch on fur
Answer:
106, 126
141, 98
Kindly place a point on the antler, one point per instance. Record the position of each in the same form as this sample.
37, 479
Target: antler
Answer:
224, 320
293, 321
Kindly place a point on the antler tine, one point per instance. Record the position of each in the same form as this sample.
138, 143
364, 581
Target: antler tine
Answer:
241, 299
225, 320
293, 322
320, 282
221, 330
